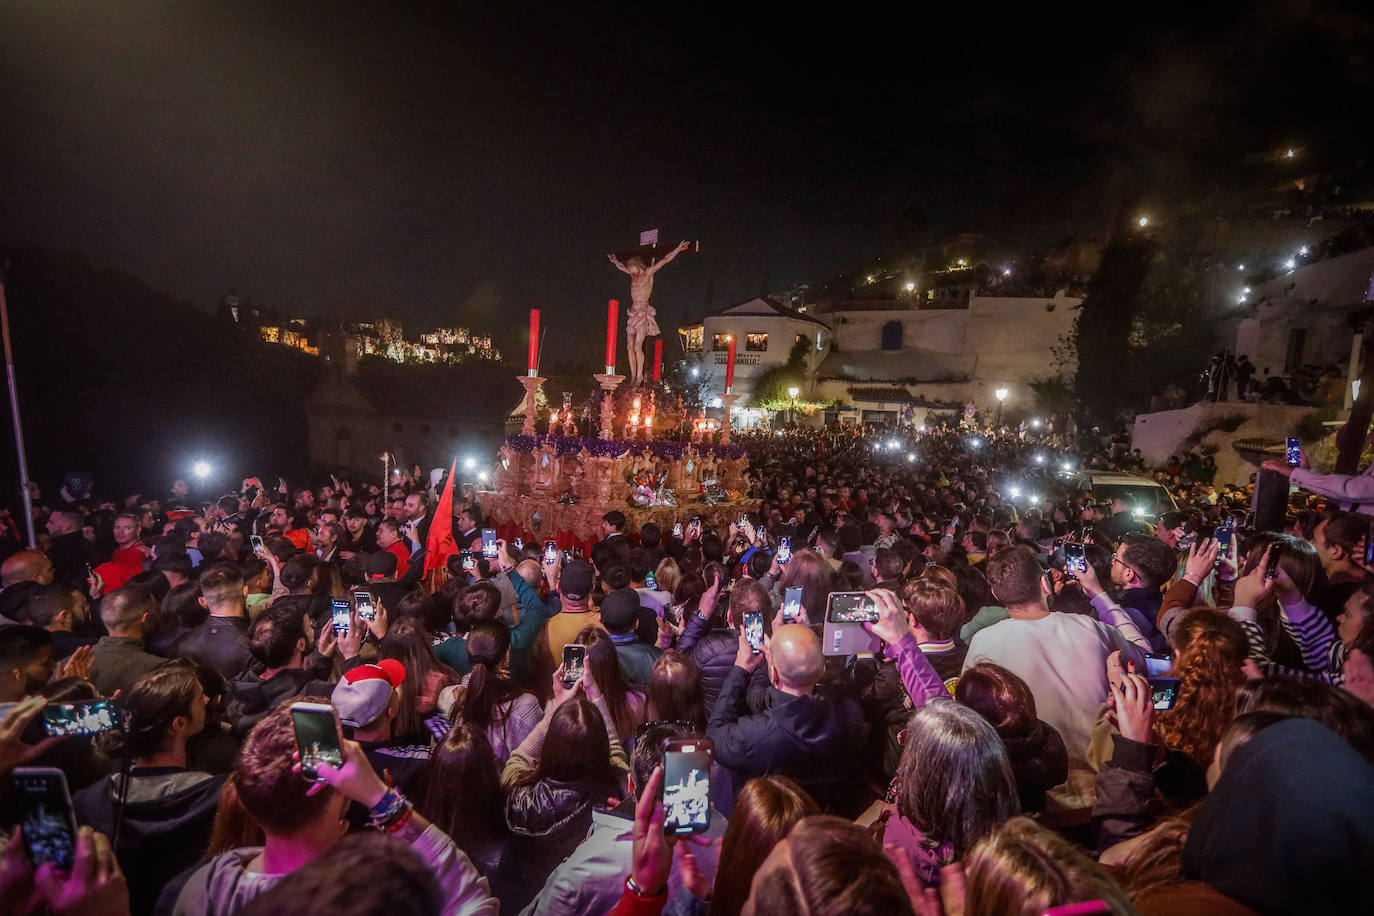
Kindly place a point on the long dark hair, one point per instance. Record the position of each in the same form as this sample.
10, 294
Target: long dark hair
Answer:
675, 691
487, 689
576, 749
150, 706
463, 788
764, 813
407, 641
604, 665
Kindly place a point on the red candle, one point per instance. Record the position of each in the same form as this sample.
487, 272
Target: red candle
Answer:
730, 366
658, 357
611, 310
534, 342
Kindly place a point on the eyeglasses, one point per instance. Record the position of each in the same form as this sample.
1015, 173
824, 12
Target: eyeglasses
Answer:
1118, 561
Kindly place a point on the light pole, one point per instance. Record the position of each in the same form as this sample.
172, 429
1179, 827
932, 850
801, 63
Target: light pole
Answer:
792, 413
1001, 394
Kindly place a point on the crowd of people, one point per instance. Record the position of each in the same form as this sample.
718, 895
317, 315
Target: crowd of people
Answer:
1047, 703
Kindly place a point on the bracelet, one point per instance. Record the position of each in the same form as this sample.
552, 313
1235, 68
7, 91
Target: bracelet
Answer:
395, 804
407, 811
642, 895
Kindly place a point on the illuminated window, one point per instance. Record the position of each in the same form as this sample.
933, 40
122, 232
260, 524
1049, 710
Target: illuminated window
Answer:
720, 341
757, 343
692, 339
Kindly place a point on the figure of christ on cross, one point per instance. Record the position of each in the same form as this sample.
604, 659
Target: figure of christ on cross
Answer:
639, 323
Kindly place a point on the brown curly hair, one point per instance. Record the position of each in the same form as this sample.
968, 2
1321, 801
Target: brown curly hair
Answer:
1210, 648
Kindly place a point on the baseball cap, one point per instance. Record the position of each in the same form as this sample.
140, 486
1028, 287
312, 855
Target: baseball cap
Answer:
576, 580
364, 692
620, 610
380, 564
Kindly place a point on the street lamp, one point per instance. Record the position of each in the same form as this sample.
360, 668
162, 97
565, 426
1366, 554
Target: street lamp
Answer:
792, 393
1001, 395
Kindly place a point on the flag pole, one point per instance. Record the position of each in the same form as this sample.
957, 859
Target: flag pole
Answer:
14, 410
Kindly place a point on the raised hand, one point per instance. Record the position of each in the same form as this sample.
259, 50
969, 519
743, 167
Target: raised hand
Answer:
892, 624
1202, 558
78, 664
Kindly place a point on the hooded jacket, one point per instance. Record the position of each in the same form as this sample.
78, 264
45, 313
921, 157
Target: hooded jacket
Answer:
1287, 828
250, 698
547, 821
168, 814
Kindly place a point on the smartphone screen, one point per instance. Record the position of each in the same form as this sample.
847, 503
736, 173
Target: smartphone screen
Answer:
342, 614
550, 553
784, 550
753, 631
574, 662
792, 605
1271, 561
469, 561
851, 607
1157, 665
1369, 545
367, 609
519, 543
45, 814
1164, 691
1075, 559
687, 786
258, 548
317, 736
696, 521
649, 579
1294, 452
489, 543
677, 530
87, 717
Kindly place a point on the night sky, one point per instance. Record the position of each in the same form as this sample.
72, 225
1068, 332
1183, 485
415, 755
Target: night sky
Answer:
338, 158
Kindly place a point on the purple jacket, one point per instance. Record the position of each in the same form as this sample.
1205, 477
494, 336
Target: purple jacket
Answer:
918, 676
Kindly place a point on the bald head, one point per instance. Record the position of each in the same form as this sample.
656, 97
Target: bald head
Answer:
795, 655
529, 571
26, 566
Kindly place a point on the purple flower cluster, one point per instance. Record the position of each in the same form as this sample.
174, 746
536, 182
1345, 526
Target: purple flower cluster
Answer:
565, 446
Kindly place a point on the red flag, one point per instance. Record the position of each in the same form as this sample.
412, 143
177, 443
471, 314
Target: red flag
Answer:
441, 543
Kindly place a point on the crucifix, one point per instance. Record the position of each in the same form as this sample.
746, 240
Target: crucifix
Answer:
641, 264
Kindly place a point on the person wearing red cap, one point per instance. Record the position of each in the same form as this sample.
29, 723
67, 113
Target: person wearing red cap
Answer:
367, 699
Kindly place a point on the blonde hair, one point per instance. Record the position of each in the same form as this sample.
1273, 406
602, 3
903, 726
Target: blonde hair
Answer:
1023, 869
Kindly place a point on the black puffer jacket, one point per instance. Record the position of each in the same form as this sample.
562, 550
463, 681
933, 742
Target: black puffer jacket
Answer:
712, 648
547, 820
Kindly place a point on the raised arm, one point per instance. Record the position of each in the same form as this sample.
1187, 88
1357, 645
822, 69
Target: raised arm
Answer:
668, 257
619, 264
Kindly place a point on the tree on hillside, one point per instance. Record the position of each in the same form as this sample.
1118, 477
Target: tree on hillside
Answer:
770, 391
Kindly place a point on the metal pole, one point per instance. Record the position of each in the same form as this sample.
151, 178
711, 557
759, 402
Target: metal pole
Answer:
14, 412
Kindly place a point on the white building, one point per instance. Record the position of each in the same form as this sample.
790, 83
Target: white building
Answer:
765, 333
951, 350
